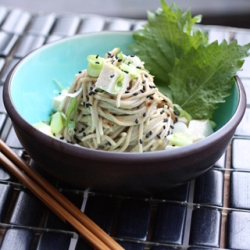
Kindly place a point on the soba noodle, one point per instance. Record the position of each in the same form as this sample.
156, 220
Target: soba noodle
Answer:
137, 119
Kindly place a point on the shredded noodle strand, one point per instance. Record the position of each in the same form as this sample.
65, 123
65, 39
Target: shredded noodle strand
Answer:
137, 119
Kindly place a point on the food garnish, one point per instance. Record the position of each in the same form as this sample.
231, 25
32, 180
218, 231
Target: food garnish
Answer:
195, 74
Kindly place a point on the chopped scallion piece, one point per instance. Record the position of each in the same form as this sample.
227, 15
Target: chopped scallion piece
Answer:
95, 65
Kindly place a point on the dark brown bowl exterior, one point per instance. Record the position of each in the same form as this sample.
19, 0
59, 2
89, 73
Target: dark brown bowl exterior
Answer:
123, 173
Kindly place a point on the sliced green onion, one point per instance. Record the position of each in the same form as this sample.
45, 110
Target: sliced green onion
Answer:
131, 69
180, 139
95, 64
182, 112
72, 108
57, 122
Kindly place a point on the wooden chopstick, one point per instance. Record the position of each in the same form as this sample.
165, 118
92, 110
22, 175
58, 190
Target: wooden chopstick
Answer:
52, 204
57, 202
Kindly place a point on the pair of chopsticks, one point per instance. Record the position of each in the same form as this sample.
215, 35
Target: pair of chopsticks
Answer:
57, 202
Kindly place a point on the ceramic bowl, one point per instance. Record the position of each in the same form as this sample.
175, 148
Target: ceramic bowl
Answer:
28, 94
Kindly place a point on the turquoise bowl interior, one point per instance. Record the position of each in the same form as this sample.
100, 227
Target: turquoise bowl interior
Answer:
34, 82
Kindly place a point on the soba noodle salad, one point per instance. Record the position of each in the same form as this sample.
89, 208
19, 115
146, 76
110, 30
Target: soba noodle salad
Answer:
114, 105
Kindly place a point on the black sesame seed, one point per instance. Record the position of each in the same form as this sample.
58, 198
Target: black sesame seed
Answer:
138, 67
159, 136
151, 98
131, 55
176, 113
145, 75
168, 115
150, 86
97, 63
109, 143
143, 81
165, 120
83, 103
119, 60
171, 126
162, 111
79, 72
125, 71
142, 91
88, 105
144, 114
54, 134
144, 88
61, 138
97, 56
135, 94
141, 141
164, 127
126, 92
83, 134
111, 76
136, 121
149, 133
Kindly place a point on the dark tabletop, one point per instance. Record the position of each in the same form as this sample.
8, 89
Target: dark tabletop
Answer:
210, 212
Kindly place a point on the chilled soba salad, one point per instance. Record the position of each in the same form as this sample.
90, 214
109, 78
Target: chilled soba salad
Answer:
161, 96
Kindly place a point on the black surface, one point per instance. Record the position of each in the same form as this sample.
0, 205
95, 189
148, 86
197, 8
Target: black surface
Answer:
205, 229
28, 210
101, 210
6, 192
133, 220
209, 188
7, 42
169, 224
53, 241
20, 239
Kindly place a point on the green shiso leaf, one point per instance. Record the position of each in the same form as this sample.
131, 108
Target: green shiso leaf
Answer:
204, 77
195, 74
165, 39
